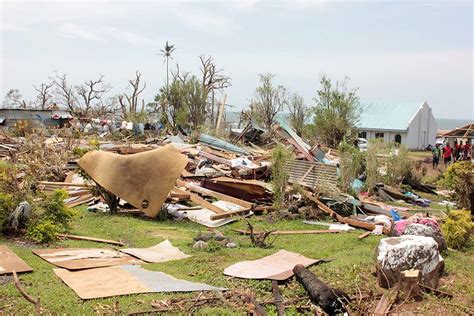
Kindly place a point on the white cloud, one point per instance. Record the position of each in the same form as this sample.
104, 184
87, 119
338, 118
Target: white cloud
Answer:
128, 36
104, 34
75, 31
207, 20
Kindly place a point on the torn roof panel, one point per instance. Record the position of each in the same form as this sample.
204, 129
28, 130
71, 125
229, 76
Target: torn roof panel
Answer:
221, 144
287, 128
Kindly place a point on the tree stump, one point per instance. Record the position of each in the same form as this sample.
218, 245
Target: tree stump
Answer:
409, 284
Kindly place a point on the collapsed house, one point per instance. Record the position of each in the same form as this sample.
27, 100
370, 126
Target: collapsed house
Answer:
34, 118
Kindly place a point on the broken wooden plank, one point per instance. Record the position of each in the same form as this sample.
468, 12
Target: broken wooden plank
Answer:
364, 234
105, 241
198, 189
63, 184
83, 199
205, 204
386, 301
342, 219
230, 214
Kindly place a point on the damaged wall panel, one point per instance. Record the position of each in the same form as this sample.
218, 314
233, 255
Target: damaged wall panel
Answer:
312, 174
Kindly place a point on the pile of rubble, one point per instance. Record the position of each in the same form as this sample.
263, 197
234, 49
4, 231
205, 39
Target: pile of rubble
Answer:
214, 182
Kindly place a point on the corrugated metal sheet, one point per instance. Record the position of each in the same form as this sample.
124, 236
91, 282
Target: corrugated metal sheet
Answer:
220, 144
312, 174
387, 115
284, 125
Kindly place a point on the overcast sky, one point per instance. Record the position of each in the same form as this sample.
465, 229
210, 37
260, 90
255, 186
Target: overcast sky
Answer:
391, 50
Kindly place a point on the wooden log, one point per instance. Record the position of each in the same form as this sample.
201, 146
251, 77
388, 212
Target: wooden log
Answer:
331, 300
278, 299
105, 241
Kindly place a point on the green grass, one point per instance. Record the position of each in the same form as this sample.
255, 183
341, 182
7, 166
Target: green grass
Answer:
351, 269
419, 154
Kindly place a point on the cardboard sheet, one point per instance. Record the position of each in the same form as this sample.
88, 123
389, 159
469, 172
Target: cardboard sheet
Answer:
162, 252
278, 266
85, 258
122, 280
9, 261
143, 180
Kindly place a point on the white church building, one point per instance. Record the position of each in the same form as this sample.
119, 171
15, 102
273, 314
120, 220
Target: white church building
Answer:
408, 123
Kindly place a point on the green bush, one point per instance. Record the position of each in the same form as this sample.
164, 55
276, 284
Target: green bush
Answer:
279, 178
350, 165
457, 229
43, 231
460, 177
80, 151
55, 209
50, 217
7, 204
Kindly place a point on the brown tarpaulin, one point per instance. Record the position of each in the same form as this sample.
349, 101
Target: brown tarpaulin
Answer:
143, 180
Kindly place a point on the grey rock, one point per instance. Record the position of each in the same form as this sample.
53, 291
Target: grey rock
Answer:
200, 245
424, 230
397, 254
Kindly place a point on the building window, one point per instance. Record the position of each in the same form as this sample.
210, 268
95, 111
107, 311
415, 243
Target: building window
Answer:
398, 138
379, 135
363, 135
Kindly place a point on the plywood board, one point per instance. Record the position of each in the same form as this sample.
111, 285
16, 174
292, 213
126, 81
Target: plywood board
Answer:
143, 180
278, 266
123, 280
85, 258
9, 261
162, 252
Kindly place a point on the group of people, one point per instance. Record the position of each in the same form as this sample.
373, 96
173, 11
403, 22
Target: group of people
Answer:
458, 152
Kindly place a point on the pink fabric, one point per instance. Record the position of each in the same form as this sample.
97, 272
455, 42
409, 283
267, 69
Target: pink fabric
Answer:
400, 226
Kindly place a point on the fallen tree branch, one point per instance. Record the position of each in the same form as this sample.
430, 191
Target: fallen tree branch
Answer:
29, 298
278, 300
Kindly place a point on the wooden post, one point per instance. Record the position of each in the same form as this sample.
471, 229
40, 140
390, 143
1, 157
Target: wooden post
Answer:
221, 112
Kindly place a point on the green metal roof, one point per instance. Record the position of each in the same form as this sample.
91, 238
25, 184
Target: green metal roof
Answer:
387, 115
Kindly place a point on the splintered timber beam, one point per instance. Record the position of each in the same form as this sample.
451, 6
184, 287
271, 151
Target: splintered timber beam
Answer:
200, 201
106, 241
198, 189
342, 219
292, 232
230, 214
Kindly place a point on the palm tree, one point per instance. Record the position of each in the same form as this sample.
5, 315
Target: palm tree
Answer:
166, 53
